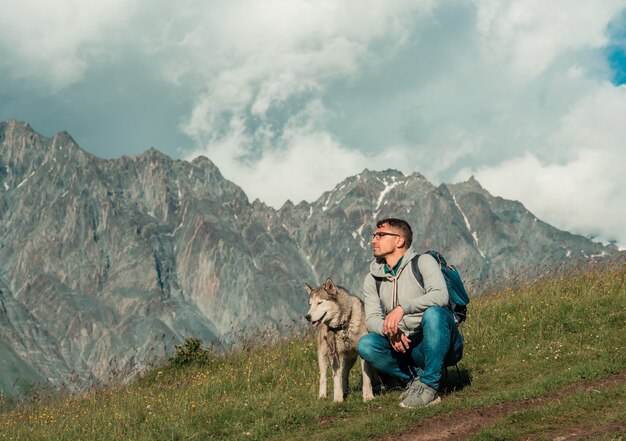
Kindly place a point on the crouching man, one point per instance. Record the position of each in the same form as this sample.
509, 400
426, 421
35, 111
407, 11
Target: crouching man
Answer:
412, 333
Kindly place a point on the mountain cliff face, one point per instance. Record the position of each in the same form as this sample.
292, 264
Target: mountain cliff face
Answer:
108, 263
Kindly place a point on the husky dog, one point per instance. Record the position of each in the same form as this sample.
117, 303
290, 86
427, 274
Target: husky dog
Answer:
340, 318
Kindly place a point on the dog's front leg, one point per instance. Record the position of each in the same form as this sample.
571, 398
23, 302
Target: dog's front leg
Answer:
322, 362
338, 369
368, 374
345, 375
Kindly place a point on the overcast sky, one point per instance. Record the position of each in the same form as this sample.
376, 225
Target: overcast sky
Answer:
290, 97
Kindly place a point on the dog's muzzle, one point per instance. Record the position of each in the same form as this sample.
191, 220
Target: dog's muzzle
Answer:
316, 323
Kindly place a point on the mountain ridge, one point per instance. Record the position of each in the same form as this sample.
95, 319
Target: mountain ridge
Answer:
119, 259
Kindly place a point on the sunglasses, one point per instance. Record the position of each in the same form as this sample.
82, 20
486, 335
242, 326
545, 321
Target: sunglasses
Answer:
377, 236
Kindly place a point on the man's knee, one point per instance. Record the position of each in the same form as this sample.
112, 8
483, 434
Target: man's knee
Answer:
435, 316
368, 346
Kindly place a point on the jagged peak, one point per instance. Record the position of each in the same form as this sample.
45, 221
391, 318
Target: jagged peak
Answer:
207, 166
287, 205
443, 187
472, 180
14, 127
258, 204
15, 124
153, 153
417, 176
376, 179
290, 207
471, 185
63, 137
203, 161
418, 180
64, 141
303, 204
60, 142
381, 174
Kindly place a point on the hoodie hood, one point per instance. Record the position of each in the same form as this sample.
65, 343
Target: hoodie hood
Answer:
377, 267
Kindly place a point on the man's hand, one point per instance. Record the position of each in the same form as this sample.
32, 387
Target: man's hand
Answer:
390, 325
399, 342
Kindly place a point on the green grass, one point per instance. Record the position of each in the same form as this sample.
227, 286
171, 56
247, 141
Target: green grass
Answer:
519, 343
583, 411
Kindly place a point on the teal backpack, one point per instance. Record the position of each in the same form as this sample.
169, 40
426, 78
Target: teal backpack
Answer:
458, 295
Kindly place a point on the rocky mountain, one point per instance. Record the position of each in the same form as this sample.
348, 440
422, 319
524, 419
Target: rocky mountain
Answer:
106, 264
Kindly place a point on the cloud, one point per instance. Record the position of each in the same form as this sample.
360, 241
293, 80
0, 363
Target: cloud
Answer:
575, 196
531, 34
596, 121
521, 91
584, 193
260, 114
289, 97
254, 57
307, 162
52, 43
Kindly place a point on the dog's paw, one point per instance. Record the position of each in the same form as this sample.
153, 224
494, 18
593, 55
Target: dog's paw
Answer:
338, 398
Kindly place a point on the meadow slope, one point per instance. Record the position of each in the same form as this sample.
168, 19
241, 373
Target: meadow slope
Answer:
543, 360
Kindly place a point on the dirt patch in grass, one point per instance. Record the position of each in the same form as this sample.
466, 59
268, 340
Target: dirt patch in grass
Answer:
616, 429
462, 425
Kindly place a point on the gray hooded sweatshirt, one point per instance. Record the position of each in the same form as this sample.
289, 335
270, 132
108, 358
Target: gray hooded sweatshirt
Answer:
404, 290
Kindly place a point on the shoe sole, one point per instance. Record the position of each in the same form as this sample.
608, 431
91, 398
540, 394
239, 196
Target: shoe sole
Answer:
432, 403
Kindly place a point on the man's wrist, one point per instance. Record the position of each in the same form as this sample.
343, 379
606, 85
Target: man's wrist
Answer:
404, 307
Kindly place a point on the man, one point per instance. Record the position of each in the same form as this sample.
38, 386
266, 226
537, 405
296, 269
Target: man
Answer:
412, 333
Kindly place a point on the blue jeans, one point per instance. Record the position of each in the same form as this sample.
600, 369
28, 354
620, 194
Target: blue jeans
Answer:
436, 344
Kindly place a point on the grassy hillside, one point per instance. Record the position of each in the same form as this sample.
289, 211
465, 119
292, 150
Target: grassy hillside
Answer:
527, 349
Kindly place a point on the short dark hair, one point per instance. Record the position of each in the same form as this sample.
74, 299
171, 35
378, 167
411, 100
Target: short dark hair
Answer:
401, 225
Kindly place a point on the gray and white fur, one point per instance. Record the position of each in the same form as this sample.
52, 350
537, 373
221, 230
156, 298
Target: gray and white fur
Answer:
340, 320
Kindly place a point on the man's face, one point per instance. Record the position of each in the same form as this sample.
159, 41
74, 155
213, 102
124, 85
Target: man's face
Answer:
386, 240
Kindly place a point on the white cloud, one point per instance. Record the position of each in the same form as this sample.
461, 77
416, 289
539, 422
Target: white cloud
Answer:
256, 55
485, 103
531, 34
596, 121
576, 196
280, 52
51, 42
307, 162
284, 93
586, 192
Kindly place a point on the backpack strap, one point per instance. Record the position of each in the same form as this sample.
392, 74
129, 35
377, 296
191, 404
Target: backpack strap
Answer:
416, 271
378, 281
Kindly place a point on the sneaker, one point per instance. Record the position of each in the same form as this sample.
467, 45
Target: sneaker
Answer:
419, 394
408, 387
407, 383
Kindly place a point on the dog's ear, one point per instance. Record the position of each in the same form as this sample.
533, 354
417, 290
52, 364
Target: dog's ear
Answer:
330, 287
308, 288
